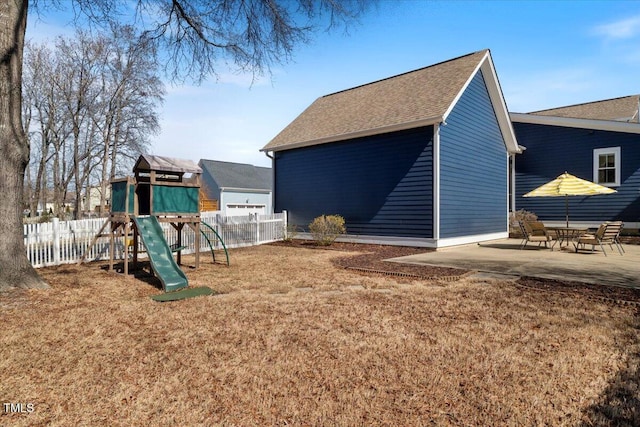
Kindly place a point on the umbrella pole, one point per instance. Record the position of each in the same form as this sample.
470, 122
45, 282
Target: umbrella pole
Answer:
566, 208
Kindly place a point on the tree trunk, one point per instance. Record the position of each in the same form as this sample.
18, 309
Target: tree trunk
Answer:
15, 268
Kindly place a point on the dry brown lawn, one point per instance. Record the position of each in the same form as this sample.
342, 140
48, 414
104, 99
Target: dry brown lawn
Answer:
295, 339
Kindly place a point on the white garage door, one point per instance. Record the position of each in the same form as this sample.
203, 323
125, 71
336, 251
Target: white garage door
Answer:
241, 209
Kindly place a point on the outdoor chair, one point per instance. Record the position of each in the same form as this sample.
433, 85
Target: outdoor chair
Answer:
607, 234
534, 231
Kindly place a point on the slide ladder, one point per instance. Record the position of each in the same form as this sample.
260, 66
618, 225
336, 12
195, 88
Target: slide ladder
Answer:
208, 236
160, 255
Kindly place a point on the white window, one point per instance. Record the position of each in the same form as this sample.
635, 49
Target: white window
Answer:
606, 166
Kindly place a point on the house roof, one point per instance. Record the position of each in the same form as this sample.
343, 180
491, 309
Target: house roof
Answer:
237, 175
624, 109
148, 162
418, 98
616, 115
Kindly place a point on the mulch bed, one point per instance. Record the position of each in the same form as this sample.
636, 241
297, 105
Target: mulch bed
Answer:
371, 261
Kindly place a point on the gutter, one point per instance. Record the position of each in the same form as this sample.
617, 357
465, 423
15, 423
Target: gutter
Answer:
606, 125
357, 134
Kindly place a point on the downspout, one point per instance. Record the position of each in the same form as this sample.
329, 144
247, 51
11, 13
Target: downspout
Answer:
512, 179
436, 182
272, 208
514, 208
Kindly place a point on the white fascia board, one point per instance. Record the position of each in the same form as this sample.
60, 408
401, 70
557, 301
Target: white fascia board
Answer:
359, 134
245, 190
464, 88
606, 125
497, 100
500, 107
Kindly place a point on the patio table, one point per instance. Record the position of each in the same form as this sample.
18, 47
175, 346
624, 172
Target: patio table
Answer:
566, 235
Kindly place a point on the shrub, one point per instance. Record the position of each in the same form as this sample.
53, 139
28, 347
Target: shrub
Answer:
325, 229
291, 232
515, 217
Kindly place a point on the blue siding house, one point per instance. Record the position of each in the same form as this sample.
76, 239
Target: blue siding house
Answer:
597, 141
418, 159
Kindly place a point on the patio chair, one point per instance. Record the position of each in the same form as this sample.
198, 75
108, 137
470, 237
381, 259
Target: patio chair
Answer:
607, 234
534, 231
617, 238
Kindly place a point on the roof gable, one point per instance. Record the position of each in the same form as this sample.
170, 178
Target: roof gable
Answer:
237, 175
418, 98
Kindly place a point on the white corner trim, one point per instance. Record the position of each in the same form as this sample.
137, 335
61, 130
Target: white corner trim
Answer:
436, 182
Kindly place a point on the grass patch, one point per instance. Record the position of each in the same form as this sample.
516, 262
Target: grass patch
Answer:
329, 351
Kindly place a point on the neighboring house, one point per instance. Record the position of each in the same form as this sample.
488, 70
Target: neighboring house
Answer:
597, 141
419, 159
91, 199
239, 188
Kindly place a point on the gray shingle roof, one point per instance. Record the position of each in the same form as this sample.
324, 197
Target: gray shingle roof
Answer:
418, 97
624, 109
238, 175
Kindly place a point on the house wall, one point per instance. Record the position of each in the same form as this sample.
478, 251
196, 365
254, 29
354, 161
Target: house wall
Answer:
552, 150
473, 167
92, 198
246, 198
209, 185
381, 185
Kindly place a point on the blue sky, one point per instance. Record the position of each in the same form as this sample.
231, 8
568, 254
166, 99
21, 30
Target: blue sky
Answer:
546, 53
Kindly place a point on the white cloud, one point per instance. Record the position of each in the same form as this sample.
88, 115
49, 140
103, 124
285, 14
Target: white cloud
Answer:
623, 29
547, 89
620, 41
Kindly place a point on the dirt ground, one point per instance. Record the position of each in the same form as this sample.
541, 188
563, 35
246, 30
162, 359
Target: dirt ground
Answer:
300, 335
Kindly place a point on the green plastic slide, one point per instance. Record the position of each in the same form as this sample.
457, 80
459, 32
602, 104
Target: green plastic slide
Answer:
159, 252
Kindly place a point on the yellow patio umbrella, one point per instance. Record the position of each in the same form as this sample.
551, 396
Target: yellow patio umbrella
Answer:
568, 185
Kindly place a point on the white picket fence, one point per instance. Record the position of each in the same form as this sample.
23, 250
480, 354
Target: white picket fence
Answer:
66, 242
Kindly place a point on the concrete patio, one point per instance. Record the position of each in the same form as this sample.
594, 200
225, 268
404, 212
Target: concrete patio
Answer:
505, 257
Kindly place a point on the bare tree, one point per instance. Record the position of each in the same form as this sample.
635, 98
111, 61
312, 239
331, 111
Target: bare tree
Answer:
196, 37
131, 92
15, 269
89, 102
